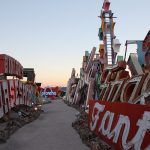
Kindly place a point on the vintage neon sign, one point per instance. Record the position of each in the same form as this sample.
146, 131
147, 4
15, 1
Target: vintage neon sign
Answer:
51, 93
48, 92
117, 126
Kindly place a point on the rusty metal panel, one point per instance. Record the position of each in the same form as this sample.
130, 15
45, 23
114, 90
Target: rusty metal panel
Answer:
122, 74
21, 100
11, 87
134, 64
132, 88
146, 84
91, 57
1, 103
104, 88
144, 98
5, 93
146, 42
17, 99
115, 90
90, 92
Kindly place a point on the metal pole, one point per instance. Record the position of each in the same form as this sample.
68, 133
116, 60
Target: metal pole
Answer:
125, 51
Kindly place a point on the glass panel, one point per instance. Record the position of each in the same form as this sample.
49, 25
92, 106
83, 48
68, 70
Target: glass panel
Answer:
109, 53
109, 56
109, 47
108, 35
108, 42
109, 50
108, 39
106, 14
107, 19
110, 60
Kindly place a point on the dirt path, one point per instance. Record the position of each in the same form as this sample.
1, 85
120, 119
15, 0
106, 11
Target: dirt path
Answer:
51, 131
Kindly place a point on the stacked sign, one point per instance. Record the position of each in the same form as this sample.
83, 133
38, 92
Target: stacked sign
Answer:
13, 92
10, 66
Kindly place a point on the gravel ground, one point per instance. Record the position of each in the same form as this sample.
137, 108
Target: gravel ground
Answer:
51, 131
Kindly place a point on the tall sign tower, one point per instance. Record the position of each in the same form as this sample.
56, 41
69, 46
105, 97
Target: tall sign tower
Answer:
110, 46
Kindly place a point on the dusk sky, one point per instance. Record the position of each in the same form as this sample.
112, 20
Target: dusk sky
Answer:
52, 35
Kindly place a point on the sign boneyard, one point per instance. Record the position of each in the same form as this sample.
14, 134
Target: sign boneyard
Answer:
116, 91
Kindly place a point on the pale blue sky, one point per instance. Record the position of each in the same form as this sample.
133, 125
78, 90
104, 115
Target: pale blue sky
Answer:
52, 35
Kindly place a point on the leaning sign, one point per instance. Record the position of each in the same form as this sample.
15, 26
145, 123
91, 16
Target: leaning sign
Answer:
121, 125
146, 42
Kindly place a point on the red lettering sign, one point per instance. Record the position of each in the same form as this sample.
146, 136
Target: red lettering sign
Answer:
121, 125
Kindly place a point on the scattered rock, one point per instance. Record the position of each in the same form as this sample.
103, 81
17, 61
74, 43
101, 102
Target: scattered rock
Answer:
17, 117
